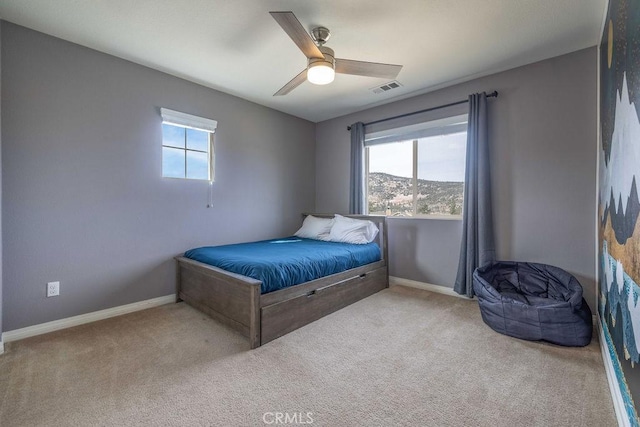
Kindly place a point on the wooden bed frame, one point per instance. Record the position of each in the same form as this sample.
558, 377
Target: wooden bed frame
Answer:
236, 301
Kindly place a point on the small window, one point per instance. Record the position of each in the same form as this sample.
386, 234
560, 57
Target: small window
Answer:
187, 146
418, 176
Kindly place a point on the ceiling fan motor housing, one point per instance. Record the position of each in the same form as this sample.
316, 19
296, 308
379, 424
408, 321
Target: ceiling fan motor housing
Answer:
329, 57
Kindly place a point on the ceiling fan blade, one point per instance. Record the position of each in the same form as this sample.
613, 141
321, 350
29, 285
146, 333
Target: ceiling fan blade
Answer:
294, 83
368, 69
298, 34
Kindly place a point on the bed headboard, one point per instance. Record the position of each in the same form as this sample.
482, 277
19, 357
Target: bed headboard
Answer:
379, 220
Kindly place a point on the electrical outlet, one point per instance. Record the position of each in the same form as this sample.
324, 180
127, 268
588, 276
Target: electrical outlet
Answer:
53, 289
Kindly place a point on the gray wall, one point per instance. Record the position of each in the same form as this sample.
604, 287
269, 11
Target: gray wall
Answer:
542, 130
84, 201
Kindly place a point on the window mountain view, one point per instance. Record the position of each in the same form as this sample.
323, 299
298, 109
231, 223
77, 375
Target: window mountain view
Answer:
393, 195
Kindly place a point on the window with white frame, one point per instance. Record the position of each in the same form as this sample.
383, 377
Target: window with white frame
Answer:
187, 146
417, 170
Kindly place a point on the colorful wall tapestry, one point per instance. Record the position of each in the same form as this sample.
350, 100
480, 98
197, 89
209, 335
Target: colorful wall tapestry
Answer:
619, 204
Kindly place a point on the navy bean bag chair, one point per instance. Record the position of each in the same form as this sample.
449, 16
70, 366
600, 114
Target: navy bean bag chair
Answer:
533, 302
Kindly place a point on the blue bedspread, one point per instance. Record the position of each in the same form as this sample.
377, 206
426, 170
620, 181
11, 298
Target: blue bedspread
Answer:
286, 262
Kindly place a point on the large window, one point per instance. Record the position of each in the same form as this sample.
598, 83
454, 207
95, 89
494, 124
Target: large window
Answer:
187, 146
417, 173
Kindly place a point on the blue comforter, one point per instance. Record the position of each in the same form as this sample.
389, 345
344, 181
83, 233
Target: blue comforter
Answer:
286, 262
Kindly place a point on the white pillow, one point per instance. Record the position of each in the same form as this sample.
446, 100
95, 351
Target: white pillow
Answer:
350, 230
315, 228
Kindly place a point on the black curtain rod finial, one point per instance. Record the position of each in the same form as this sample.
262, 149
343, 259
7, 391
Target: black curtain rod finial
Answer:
493, 94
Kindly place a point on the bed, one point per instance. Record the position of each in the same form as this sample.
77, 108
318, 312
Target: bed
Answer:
265, 312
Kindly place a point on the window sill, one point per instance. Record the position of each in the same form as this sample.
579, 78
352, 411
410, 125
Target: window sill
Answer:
188, 179
428, 217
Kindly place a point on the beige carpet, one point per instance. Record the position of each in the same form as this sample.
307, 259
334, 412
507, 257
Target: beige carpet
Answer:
400, 357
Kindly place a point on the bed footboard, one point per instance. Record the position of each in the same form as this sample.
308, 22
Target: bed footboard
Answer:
230, 298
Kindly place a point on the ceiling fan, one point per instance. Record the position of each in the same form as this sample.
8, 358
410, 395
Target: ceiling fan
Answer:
322, 63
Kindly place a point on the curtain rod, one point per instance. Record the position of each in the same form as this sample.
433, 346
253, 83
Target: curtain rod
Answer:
493, 94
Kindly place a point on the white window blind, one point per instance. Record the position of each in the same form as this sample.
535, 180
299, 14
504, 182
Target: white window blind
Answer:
446, 126
178, 118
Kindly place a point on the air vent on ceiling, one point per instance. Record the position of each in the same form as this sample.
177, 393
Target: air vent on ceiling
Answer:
394, 84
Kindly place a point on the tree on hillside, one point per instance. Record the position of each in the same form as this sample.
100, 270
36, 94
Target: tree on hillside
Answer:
454, 209
424, 209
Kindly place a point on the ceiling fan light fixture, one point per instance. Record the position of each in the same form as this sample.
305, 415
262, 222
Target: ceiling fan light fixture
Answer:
321, 73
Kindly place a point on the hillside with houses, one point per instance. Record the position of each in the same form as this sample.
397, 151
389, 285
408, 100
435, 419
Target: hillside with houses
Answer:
393, 195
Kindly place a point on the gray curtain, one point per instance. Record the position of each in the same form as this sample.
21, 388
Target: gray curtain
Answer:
477, 247
356, 194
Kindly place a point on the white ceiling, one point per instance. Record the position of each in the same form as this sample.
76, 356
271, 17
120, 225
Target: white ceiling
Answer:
235, 46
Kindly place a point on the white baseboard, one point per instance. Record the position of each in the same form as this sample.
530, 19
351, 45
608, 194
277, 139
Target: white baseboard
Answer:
612, 379
56, 325
1, 347
425, 286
